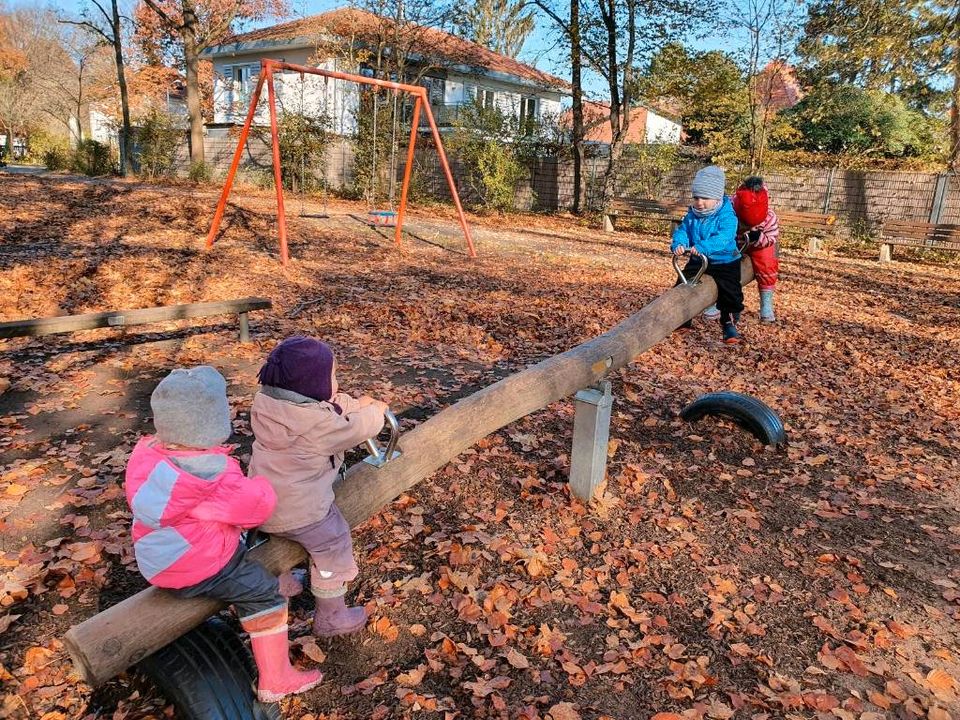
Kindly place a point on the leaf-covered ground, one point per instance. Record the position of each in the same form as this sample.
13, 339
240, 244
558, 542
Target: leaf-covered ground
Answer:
714, 578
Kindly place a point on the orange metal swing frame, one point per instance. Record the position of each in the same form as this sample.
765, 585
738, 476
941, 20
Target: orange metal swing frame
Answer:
421, 103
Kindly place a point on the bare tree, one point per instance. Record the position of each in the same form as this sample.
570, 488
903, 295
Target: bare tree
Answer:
107, 26
32, 48
611, 35
197, 25
499, 25
772, 27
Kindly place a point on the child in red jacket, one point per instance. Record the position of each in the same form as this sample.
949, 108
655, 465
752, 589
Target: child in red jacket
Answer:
759, 233
190, 502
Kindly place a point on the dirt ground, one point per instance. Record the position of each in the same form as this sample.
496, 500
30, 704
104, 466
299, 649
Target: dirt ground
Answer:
714, 577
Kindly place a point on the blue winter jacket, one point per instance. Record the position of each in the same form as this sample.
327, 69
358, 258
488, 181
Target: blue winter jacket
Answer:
714, 236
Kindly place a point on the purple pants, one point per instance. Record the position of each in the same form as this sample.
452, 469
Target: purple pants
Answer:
330, 548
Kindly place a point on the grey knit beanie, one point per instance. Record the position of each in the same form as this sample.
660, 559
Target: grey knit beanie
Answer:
190, 408
709, 183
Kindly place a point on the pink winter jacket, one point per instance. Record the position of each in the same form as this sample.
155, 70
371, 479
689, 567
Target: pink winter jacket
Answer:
299, 446
186, 528
769, 233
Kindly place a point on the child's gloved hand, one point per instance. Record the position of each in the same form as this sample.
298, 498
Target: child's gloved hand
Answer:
366, 400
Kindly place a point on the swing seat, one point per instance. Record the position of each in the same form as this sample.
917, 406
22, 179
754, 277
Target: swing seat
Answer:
386, 218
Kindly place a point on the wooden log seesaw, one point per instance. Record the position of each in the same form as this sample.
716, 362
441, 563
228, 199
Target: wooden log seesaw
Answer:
113, 640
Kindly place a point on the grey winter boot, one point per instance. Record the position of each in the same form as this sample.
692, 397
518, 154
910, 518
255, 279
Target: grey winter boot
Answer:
766, 306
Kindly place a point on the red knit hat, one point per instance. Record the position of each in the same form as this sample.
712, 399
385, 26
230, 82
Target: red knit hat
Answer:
751, 203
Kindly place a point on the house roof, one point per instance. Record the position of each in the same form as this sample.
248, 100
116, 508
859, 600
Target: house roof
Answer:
362, 25
778, 87
597, 126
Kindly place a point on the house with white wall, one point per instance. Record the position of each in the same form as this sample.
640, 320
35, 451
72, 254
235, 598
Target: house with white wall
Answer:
647, 125
455, 72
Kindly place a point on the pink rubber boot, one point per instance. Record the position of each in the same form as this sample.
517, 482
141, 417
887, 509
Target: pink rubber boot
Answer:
332, 617
271, 651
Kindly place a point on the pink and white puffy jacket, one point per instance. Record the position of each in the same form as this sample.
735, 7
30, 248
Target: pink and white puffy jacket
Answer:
186, 528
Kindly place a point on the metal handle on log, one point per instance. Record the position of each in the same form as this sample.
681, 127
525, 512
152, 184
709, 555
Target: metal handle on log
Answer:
381, 456
696, 278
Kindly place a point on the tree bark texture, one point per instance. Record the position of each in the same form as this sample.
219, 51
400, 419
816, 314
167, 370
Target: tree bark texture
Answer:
191, 59
113, 640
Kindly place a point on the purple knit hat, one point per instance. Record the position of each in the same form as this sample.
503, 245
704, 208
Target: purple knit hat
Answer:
301, 364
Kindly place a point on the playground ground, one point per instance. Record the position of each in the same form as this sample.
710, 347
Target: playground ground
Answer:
714, 578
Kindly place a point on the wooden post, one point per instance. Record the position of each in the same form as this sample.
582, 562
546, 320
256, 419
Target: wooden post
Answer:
885, 253
244, 327
109, 642
607, 223
826, 195
939, 198
814, 244
591, 433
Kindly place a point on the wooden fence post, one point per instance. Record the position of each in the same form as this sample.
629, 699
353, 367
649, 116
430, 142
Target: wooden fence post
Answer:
829, 190
939, 198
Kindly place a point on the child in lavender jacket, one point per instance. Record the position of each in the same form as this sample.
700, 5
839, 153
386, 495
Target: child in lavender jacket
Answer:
303, 426
190, 501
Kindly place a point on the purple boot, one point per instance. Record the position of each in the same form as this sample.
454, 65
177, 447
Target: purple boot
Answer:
332, 617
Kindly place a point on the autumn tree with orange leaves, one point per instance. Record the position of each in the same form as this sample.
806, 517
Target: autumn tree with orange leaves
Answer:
187, 28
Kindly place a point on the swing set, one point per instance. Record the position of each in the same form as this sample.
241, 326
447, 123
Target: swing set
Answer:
378, 217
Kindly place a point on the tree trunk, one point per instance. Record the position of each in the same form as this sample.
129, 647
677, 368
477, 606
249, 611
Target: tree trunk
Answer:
114, 639
126, 166
576, 71
954, 159
191, 58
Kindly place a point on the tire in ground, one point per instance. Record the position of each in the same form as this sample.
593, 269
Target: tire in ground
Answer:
746, 410
208, 674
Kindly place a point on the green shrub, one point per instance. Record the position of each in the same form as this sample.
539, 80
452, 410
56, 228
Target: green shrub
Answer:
200, 172
56, 158
92, 158
158, 140
487, 144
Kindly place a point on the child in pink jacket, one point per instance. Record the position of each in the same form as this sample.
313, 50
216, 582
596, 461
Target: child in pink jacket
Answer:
302, 427
190, 501
759, 230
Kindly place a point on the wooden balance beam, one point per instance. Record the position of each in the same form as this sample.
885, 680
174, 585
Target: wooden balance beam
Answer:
113, 640
140, 316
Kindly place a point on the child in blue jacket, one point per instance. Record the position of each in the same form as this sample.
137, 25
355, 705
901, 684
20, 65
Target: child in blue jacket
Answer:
709, 229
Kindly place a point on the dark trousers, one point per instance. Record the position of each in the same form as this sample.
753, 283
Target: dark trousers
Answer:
727, 278
242, 582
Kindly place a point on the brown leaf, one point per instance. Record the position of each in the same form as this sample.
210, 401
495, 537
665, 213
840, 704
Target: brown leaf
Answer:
6, 621
564, 711
517, 659
413, 677
312, 650
59, 609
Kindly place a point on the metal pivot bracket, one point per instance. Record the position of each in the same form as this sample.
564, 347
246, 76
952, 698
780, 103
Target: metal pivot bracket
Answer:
696, 278
378, 456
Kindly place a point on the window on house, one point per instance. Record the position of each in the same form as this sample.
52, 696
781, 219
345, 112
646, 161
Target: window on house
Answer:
435, 90
241, 78
528, 109
487, 98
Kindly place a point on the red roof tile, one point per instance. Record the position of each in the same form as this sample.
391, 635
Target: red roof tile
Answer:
355, 23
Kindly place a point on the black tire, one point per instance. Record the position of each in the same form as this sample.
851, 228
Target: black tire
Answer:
208, 674
745, 410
